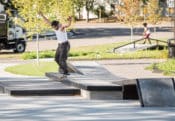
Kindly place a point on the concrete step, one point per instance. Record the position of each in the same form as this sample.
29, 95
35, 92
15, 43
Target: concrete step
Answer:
36, 87
91, 88
95, 82
84, 82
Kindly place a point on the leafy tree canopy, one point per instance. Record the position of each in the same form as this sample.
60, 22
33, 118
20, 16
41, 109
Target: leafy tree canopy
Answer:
53, 9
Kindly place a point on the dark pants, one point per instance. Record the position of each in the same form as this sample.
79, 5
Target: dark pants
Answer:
61, 57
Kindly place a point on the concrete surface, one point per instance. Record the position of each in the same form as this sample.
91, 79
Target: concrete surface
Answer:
53, 108
78, 109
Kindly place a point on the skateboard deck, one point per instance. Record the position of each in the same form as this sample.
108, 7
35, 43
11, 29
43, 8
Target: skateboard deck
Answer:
61, 76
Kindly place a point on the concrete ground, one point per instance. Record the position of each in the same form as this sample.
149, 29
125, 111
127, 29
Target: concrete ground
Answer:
132, 68
78, 109
75, 108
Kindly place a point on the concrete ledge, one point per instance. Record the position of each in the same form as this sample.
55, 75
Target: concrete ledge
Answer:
91, 89
37, 87
101, 95
93, 79
90, 86
58, 92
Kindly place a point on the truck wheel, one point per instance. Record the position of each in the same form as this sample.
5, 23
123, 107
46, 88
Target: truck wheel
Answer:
20, 47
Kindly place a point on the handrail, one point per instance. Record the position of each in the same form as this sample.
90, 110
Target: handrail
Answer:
127, 44
158, 40
138, 41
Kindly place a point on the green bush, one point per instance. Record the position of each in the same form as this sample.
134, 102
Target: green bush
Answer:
75, 54
42, 54
29, 55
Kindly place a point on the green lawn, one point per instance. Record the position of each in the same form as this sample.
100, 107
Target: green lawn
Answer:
96, 52
101, 52
32, 69
167, 67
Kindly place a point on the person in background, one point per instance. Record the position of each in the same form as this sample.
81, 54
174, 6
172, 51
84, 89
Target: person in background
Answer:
146, 34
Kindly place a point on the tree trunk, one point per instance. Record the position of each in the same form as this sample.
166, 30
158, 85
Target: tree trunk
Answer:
79, 15
87, 19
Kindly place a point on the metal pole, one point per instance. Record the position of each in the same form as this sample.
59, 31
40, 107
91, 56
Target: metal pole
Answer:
37, 46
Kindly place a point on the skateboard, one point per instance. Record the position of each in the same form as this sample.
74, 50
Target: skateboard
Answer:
61, 76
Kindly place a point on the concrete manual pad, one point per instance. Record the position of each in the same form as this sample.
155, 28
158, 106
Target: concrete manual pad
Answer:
86, 83
158, 92
93, 71
94, 78
95, 82
130, 47
40, 87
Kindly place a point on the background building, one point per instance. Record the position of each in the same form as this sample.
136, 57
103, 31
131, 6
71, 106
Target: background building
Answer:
1, 7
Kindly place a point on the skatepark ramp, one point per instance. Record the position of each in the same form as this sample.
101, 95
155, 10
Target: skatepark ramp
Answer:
135, 45
151, 92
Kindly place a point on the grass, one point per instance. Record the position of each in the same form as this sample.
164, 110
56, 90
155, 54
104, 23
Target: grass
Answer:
91, 53
97, 52
101, 52
167, 67
85, 52
32, 69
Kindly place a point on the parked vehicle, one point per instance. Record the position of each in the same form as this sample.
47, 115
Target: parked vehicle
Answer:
11, 35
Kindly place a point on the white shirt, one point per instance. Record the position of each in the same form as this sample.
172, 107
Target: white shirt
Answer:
61, 36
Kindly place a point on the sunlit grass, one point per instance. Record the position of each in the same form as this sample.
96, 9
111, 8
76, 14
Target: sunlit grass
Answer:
33, 69
167, 67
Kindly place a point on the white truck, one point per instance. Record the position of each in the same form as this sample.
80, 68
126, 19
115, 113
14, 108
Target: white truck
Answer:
11, 36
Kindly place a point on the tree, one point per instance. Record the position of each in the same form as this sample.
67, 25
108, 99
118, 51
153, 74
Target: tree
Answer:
53, 9
145, 1
128, 12
154, 12
89, 5
78, 4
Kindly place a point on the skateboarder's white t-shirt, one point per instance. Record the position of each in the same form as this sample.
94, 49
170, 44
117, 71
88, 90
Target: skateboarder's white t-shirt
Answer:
61, 36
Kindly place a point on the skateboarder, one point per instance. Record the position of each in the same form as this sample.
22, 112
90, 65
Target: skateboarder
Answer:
63, 43
146, 34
